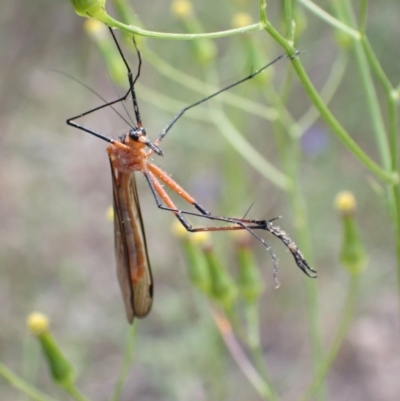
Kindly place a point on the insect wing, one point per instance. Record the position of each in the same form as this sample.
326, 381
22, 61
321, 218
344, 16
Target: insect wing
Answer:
143, 289
131, 249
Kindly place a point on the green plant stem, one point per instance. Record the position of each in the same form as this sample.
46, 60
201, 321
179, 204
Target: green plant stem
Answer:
253, 340
362, 23
328, 91
250, 154
75, 393
344, 10
338, 130
263, 11
346, 318
299, 212
135, 30
128, 356
392, 98
22, 385
329, 19
296, 129
393, 133
288, 13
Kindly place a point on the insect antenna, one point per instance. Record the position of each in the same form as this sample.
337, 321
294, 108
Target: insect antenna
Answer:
102, 98
185, 109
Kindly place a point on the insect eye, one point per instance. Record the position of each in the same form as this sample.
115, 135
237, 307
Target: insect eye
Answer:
134, 134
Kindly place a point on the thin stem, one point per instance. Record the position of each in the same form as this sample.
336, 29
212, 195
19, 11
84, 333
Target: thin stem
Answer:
393, 134
75, 393
127, 362
239, 356
113, 23
327, 92
288, 12
250, 154
344, 9
299, 212
329, 19
363, 16
338, 130
22, 385
287, 46
392, 98
253, 341
347, 316
263, 11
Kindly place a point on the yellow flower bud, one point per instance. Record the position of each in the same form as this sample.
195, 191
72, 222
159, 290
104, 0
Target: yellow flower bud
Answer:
345, 202
37, 323
352, 255
240, 20
182, 8
94, 27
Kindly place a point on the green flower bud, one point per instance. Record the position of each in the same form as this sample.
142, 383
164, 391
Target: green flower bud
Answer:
88, 8
250, 282
196, 262
223, 287
352, 255
61, 370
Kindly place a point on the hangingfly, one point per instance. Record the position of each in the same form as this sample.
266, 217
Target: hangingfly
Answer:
131, 153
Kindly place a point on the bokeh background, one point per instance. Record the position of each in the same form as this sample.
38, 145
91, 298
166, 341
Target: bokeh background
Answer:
56, 243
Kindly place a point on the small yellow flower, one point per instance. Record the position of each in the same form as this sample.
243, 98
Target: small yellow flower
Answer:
200, 237
240, 20
96, 29
345, 202
182, 8
37, 323
93, 26
178, 229
195, 238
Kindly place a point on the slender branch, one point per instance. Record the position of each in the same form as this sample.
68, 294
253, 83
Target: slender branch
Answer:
22, 385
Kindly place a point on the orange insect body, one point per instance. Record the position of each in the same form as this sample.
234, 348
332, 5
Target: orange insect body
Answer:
128, 156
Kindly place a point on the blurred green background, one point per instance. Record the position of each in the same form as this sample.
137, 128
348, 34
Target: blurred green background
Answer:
57, 252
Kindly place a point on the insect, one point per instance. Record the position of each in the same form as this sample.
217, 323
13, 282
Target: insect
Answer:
131, 153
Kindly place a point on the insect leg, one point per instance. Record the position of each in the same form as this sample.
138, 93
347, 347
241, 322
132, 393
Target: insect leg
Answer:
130, 77
250, 225
131, 90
